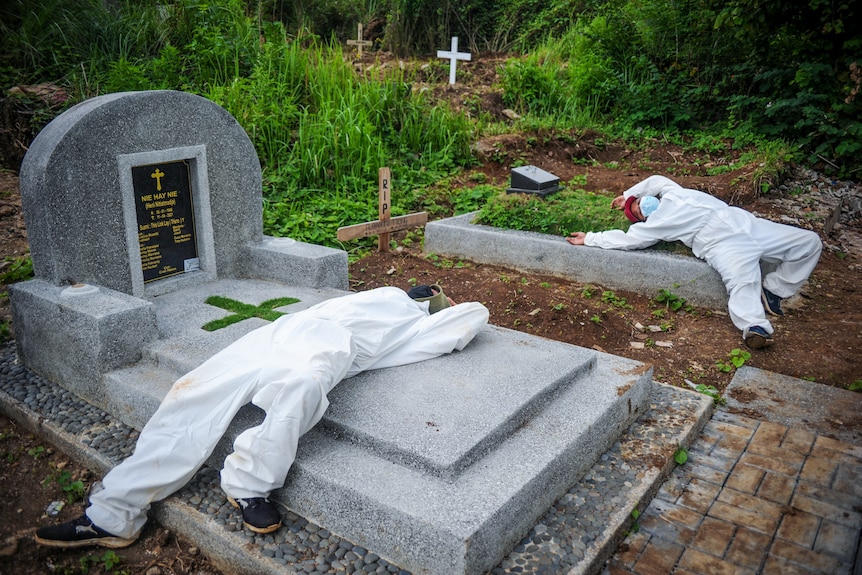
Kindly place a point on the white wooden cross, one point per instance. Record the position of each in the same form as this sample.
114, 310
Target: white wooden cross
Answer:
454, 55
359, 42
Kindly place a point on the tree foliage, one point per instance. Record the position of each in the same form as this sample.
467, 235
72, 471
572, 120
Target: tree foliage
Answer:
745, 69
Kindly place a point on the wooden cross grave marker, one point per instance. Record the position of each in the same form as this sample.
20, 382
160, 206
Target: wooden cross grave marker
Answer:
385, 224
454, 55
359, 42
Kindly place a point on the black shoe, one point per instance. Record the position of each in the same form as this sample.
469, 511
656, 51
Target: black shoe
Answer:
258, 514
771, 302
79, 532
757, 338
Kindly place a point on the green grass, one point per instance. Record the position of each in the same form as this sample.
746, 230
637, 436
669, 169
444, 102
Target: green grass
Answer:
558, 214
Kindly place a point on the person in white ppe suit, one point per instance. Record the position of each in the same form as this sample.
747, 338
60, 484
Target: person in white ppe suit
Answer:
286, 368
730, 239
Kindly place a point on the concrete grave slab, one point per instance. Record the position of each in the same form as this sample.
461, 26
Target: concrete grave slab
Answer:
640, 271
442, 466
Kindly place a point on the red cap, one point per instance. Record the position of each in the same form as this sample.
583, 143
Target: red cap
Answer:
628, 210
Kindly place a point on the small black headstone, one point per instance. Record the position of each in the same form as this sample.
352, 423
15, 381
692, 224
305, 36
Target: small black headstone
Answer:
166, 227
533, 180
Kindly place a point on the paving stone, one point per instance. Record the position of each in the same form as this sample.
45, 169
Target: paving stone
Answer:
824, 442
847, 479
713, 536
826, 510
734, 428
734, 514
733, 443
705, 442
774, 462
748, 548
631, 549
657, 521
777, 488
751, 504
819, 562
659, 557
778, 566
703, 563
699, 495
717, 458
799, 528
837, 540
705, 473
745, 478
768, 435
674, 487
798, 440
835, 505
736, 419
819, 470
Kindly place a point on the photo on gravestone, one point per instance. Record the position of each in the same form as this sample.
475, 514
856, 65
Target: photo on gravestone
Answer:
166, 227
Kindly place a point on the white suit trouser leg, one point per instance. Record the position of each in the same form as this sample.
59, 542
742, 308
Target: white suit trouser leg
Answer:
737, 259
291, 370
796, 251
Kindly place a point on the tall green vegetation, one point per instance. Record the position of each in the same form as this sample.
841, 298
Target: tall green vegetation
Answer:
745, 69
779, 74
320, 130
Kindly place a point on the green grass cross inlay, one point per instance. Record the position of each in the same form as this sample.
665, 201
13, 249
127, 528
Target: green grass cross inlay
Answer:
242, 311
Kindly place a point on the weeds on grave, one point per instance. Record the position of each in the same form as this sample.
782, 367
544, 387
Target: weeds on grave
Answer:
242, 311
613, 299
5, 330
444, 263
680, 456
74, 489
670, 300
736, 358
105, 563
711, 391
558, 214
635, 525
856, 385
16, 269
36, 452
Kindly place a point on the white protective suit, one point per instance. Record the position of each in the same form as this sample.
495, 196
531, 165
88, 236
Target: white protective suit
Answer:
730, 239
286, 368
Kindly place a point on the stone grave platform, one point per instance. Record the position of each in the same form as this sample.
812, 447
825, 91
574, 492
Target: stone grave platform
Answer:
440, 466
641, 271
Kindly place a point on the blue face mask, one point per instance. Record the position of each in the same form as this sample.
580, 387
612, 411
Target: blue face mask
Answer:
648, 205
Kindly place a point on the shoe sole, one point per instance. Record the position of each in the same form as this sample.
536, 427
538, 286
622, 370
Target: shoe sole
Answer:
262, 530
108, 542
755, 341
768, 309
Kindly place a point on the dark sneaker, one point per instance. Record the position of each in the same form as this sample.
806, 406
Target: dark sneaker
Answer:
771, 302
258, 514
79, 532
757, 338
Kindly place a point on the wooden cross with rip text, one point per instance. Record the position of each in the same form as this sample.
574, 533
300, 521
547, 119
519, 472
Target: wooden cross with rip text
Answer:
385, 224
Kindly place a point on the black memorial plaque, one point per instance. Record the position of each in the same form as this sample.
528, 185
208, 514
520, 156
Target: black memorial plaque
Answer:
166, 227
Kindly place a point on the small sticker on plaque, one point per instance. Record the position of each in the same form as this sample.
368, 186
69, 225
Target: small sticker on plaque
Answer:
166, 227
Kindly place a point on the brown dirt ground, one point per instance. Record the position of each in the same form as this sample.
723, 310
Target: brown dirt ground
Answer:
818, 339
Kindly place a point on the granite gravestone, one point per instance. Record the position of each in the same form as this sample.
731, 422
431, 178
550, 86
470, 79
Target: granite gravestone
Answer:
128, 197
